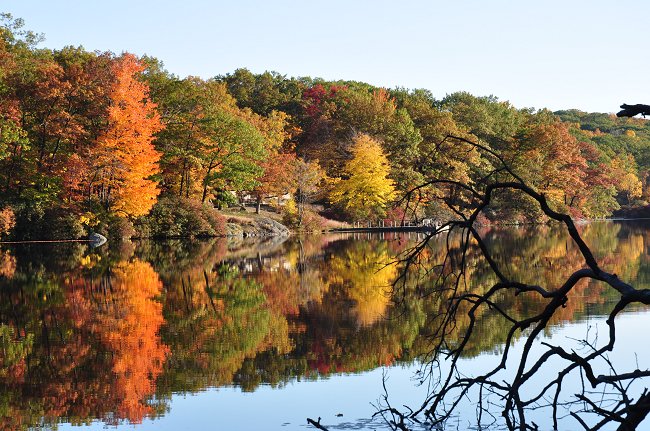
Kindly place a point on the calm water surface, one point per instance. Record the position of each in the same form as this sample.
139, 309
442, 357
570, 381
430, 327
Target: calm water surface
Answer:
197, 335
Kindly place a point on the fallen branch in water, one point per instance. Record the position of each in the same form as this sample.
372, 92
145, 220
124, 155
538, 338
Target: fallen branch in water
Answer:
316, 424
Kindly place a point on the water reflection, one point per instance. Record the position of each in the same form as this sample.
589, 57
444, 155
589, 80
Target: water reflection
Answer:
110, 334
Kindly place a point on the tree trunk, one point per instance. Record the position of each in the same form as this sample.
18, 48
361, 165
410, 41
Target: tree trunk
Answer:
205, 182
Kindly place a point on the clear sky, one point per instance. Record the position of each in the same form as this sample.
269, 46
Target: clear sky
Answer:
558, 54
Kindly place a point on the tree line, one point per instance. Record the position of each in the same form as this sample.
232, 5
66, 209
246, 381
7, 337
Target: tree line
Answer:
106, 142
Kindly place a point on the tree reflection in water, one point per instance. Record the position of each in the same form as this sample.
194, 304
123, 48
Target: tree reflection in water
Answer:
111, 334
83, 347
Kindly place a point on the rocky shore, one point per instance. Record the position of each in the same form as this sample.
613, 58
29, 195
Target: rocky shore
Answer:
255, 227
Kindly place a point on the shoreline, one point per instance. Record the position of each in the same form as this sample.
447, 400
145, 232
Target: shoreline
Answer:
260, 231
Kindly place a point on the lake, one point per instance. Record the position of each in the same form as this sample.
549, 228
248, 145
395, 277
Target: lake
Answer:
204, 335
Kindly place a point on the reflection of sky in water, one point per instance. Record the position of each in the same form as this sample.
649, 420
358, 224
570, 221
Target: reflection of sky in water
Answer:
269, 314
352, 395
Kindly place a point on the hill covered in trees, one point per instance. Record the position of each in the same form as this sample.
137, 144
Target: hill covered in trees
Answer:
106, 142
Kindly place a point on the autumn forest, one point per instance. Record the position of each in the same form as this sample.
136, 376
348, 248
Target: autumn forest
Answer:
95, 141
252, 292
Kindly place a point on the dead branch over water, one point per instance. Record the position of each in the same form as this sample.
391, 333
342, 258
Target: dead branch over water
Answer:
602, 399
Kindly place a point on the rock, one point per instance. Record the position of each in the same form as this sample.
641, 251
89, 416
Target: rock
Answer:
96, 240
270, 227
255, 227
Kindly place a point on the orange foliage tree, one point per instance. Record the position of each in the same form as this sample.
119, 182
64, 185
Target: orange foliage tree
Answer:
556, 163
123, 159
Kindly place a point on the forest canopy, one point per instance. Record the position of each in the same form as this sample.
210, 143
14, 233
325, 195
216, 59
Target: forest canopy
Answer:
96, 140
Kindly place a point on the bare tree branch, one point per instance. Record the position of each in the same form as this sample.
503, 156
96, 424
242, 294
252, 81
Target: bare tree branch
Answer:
516, 395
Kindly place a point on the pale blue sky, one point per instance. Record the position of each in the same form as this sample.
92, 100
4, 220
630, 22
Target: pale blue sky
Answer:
592, 55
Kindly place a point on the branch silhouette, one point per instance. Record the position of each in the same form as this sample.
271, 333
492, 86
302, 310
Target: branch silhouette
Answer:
601, 400
632, 110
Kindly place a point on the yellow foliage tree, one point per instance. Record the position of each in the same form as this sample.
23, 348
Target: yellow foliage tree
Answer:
631, 186
627, 181
367, 189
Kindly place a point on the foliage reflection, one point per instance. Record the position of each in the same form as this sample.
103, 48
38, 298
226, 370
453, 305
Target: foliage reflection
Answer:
111, 334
